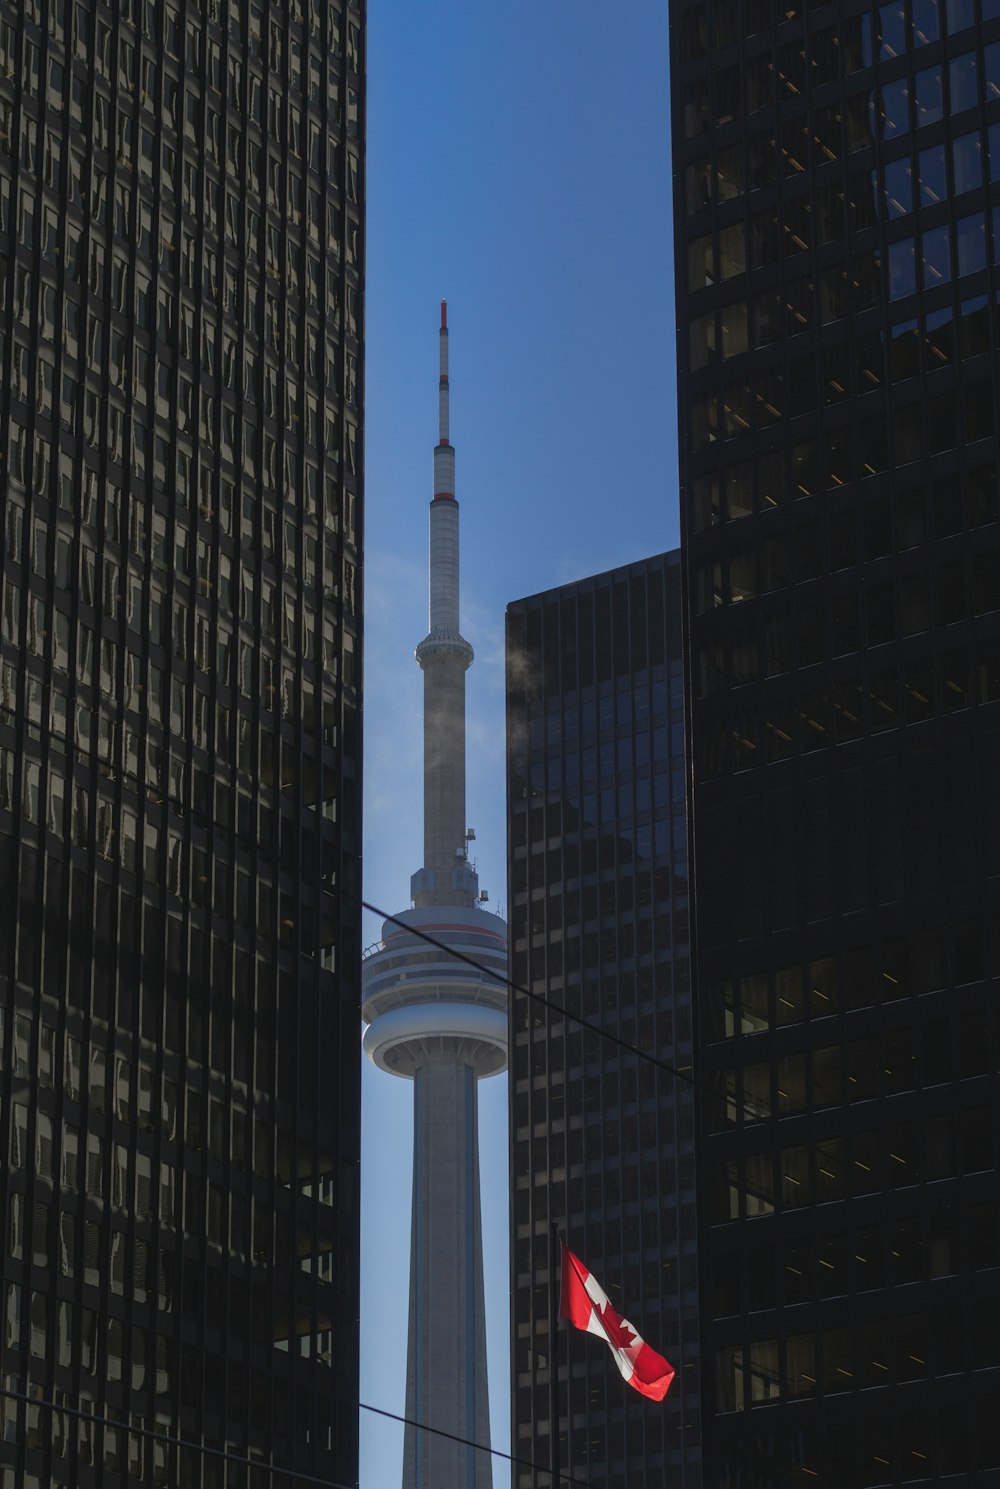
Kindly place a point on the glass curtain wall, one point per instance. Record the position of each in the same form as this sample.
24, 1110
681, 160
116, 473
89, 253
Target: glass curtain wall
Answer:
181, 191
601, 1141
837, 214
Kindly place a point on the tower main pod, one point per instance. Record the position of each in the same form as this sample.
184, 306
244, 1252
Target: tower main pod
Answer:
441, 1023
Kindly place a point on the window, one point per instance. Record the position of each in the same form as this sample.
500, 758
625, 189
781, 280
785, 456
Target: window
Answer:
902, 269
55, 810
173, 34
971, 239
926, 22
937, 257
939, 339
963, 82
891, 28
114, 1355
895, 108
931, 170
960, 15
701, 270
928, 96
898, 188
992, 60
993, 142
19, 1136
39, 1318
29, 795
967, 162
26, 219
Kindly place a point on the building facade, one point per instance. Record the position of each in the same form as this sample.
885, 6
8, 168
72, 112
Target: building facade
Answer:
837, 177
437, 1021
180, 407
601, 1141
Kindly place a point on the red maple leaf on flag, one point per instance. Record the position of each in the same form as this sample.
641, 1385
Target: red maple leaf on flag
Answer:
619, 1331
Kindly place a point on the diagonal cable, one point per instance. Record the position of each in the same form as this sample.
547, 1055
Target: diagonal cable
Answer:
584, 1023
540, 998
561, 1478
274, 1468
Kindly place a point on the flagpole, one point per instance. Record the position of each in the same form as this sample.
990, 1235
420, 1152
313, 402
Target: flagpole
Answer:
553, 1362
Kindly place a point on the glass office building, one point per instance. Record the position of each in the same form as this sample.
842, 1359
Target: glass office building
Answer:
601, 1141
180, 478
837, 180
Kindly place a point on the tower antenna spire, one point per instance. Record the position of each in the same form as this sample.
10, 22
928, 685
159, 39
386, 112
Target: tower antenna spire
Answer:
444, 654
443, 393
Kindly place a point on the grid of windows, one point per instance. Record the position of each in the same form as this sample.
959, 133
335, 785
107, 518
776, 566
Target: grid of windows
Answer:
598, 894
180, 404
838, 267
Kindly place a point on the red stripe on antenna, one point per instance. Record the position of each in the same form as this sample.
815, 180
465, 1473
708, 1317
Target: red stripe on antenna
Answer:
444, 315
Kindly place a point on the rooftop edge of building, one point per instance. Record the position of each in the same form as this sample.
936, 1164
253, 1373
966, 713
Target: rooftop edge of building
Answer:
619, 571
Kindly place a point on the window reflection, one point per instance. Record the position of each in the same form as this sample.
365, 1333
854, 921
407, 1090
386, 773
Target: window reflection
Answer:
991, 58
940, 337
898, 187
967, 162
928, 96
971, 241
895, 108
931, 170
902, 269
891, 29
963, 82
936, 256
926, 22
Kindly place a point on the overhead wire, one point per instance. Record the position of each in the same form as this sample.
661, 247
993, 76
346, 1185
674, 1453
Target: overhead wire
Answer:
559, 1476
679, 1073
540, 998
273, 1468
169, 1441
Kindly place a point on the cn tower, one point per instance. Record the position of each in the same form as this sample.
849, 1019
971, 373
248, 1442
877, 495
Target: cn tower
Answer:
442, 1023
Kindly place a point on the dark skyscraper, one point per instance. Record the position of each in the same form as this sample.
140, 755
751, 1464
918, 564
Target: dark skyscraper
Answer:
601, 1141
180, 408
837, 202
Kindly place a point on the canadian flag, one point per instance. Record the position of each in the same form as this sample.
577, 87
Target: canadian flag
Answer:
586, 1305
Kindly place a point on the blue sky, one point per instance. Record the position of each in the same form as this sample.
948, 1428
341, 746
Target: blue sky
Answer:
518, 165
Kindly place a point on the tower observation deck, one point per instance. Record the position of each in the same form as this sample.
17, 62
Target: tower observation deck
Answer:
442, 1023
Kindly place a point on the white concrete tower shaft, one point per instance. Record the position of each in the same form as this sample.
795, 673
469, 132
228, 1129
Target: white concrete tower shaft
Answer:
443, 1024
